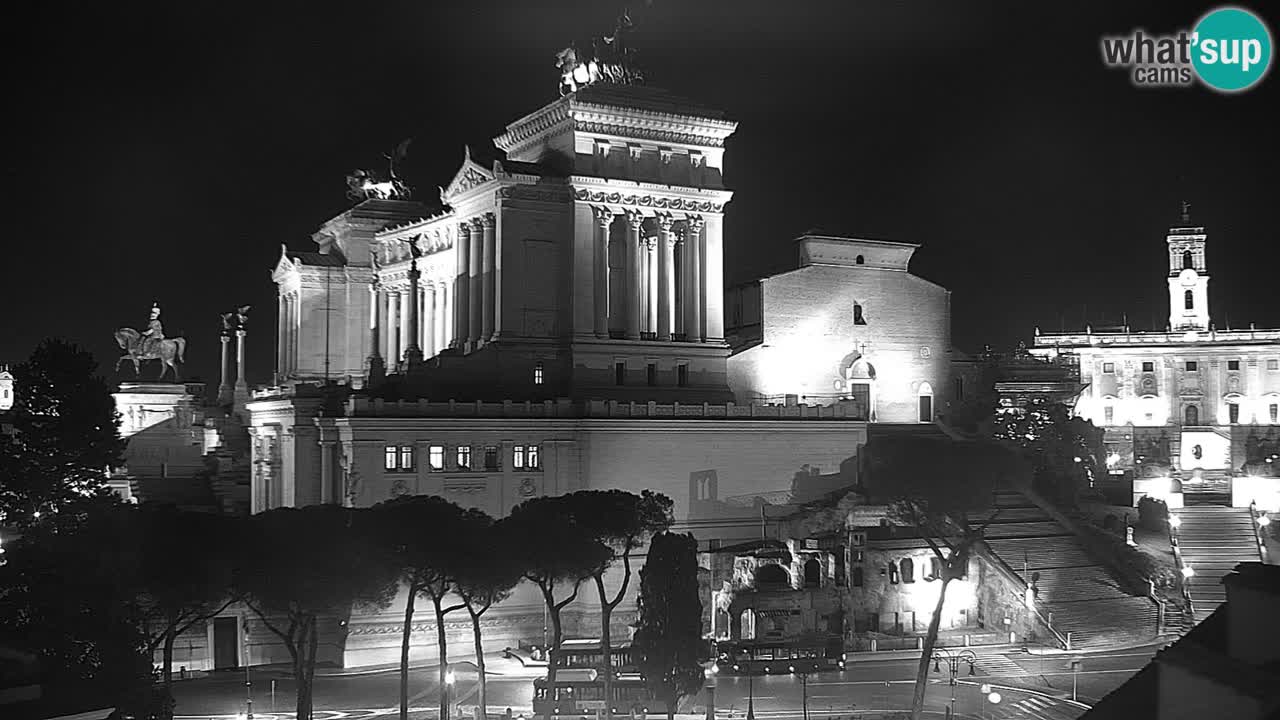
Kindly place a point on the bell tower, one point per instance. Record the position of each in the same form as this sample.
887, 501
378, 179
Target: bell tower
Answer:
1188, 275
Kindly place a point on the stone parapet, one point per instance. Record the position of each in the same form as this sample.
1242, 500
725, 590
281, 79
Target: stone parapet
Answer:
563, 408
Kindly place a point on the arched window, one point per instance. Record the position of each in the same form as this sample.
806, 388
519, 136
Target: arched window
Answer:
1188, 300
935, 568
908, 570
859, 260
1191, 416
812, 573
1187, 262
857, 316
925, 394
771, 575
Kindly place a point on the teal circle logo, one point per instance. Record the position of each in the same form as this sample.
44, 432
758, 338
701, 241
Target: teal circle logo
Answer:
1231, 49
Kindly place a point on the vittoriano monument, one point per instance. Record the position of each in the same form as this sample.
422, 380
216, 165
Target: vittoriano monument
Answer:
151, 344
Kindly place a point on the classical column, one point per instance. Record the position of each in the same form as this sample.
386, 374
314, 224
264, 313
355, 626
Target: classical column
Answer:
712, 255
242, 387
461, 316
666, 275
447, 335
693, 252
327, 481
224, 388
377, 369
634, 221
488, 277
475, 286
680, 273
429, 317
404, 321
282, 323
651, 284
412, 350
393, 327
600, 281
294, 323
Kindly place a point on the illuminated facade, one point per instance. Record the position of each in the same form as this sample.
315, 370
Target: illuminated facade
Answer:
851, 326
1193, 403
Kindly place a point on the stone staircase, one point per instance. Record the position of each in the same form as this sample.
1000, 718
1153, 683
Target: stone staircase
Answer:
1213, 541
1079, 595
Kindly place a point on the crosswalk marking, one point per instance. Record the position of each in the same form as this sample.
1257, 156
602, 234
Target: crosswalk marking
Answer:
1000, 666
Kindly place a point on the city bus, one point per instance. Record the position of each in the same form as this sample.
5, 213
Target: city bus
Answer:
580, 694
586, 653
760, 657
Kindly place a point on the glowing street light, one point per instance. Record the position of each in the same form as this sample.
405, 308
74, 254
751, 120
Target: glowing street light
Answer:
449, 679
1175, 522
1187, 571
1263, 520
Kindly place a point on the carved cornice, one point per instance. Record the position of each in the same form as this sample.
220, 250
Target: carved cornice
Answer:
648, 201
528, 192
642, 132
455, 626
533, 125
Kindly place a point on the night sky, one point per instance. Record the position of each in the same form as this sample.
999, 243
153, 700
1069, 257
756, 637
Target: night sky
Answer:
165, 152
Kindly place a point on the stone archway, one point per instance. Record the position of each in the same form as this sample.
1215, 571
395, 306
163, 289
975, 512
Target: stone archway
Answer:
812, 573
859, 381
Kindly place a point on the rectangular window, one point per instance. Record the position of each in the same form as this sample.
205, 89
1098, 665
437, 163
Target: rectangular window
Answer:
491, 457
1273, 364
1192, 366
464, 457
436, 457
1109, 368
1148, 366
537, 373
1274, 409
517, 457
1109, 415
651, 374
406, 457
533, 461
390, 458
619, 373
1233, 364
1233, 413
959, 388
682, 375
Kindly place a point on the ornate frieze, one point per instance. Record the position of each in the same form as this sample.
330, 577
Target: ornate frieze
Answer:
651, 132
528, 192
649, 201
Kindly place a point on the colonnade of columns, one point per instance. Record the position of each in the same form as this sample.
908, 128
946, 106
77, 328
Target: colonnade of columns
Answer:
391, 319
478, 272
289, 317
664, 275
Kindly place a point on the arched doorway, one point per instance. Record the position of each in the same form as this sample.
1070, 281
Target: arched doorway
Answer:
860, 382
812, 573
925, 400
1191, 416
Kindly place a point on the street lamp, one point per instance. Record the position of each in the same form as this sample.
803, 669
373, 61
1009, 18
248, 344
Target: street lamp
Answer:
803, 672
751, 695
953, 660
709, 674
449, 679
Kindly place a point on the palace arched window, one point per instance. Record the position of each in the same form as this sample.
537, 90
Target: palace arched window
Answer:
1188, 263
908, 570
812, 573
858, 319
859, 260
1189, 300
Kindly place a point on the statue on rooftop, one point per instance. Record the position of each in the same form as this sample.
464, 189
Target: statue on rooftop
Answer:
150, 344
612, 60
366, 185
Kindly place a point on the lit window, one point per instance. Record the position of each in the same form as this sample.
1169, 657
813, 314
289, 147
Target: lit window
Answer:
1192, 366
858, 319
406, 457
1109, 368
1233, 364
651, 374
464, 457
436, 457
533, 461
1148, 366
682, 375
490, 457
390, 457
517, 457
620, 373
1233, 413
537, 373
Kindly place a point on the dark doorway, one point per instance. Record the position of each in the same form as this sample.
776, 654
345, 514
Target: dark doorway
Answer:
812, 573
926, 408
1191, 416
224, 643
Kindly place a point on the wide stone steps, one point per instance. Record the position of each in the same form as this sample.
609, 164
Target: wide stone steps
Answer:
1040, 553
1044, 528
1213, 540
1072, 584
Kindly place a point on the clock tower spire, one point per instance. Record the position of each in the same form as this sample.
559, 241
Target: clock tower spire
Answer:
1188, 275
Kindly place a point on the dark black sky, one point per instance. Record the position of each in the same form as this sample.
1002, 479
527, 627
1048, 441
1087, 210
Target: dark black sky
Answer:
165, 152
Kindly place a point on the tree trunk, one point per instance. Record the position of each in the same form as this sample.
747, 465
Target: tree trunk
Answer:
606, 664
554, 613
170, 635
302, 706
442, 645
926, 653
404, 652
475, 629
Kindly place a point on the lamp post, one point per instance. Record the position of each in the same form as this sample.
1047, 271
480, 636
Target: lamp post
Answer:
953, 661
709, 674
449, 679
751, 694
803, 671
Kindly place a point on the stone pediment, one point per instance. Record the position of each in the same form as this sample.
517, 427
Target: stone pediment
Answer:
284, 266
468, 177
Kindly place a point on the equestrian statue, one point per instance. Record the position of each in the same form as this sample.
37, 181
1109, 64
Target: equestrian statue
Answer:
151, 344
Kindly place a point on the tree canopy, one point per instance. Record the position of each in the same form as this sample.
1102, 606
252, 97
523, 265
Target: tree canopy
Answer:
66, 435
669, 631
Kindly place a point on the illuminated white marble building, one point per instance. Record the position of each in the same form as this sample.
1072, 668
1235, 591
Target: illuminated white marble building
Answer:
1194, 401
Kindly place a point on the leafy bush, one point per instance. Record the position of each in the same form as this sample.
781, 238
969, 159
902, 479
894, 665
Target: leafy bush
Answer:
1153, 514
